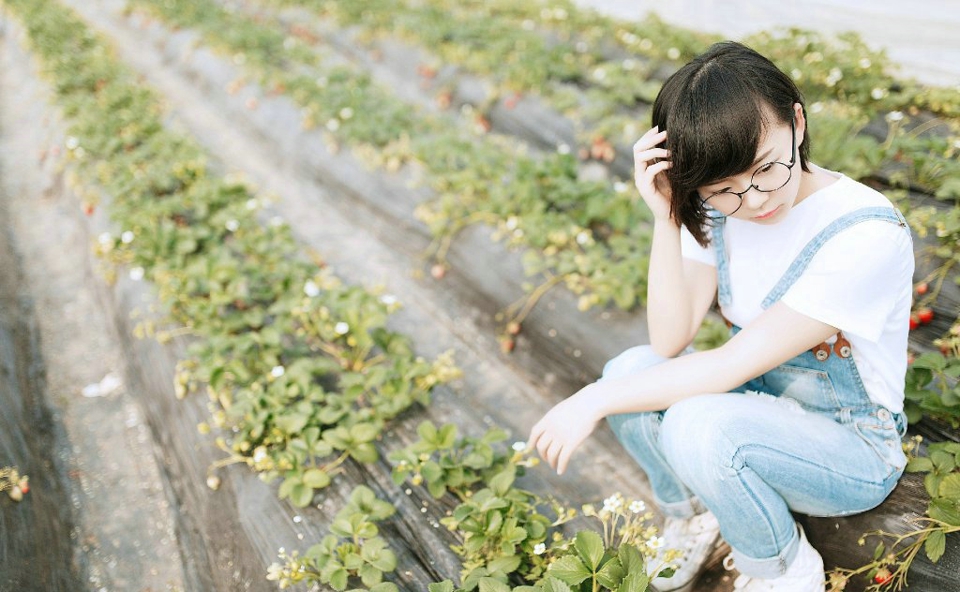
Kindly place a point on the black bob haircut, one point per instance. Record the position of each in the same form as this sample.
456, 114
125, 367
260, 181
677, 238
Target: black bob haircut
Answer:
715, 111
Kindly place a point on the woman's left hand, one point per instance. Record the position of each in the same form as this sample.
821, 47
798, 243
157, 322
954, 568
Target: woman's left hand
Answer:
561, 431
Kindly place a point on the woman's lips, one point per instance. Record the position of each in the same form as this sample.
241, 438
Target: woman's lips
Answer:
768, 214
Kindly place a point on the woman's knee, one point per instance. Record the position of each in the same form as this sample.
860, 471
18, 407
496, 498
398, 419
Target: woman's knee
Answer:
631, 360
700, 431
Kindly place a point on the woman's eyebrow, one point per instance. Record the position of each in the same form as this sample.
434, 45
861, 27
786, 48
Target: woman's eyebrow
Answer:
763, 157
760, 159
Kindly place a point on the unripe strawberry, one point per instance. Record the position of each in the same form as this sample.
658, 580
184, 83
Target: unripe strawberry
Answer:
513, 327
16, 494
507, 344
438, 271
24, 485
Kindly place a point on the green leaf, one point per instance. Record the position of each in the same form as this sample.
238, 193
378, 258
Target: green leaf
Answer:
504, 565
553, 584
611, 574
364, 432
935, 546
878, 551
338, 579
921, 464
316, 478
365, 452
431, 471
287, 486
301, 495
590, 546
370, 575
427, 431
444, 586
943, 462
944, 511
630, 558
501, 482
931, 360
569, 569
950, 487
386, 562
493, 585
636, 581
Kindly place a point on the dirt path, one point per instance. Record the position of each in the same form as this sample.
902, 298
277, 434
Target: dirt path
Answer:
123, 537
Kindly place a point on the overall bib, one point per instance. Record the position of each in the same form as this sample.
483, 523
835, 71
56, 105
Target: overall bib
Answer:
802, 437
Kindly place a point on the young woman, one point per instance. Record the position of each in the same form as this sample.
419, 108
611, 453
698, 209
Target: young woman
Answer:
801, 410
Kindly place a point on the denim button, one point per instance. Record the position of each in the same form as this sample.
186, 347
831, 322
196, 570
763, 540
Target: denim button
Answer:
883, 414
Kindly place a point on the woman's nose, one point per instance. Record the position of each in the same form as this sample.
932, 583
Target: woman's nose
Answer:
755, 199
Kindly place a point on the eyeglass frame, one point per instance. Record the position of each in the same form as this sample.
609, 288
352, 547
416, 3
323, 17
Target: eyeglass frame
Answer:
739, 194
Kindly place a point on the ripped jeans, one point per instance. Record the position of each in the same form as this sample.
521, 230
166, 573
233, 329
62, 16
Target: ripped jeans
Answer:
815, 445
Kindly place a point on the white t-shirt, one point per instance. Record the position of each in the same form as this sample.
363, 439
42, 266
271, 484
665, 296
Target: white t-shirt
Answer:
860, 280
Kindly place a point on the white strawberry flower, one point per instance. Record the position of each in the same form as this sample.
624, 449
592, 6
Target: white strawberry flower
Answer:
539, 549
232, 225
333, 125
311, 289
341, 328
136, 274
127, 237
519, 446
673, 53
637, 506
346, 113
72, 143
655, 542
252, 204
277, 371
388, 299
105, 238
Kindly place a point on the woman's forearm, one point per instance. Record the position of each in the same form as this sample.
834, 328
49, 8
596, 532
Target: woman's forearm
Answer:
657, 387
669, 309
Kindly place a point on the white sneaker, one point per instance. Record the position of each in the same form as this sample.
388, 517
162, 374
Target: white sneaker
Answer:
805, 574
696, 537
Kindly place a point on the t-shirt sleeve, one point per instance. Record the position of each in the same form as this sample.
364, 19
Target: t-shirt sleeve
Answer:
690, 249
856, 278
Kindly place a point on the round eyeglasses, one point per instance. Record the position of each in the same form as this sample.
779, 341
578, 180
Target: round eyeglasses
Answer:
767, 178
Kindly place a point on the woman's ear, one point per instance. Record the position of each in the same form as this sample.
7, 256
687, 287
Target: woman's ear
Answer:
800, 122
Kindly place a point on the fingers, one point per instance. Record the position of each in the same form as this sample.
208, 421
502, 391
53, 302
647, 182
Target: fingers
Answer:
649, 140
659, 167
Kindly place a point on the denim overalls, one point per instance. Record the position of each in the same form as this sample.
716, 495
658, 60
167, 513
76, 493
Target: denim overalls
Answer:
802, 437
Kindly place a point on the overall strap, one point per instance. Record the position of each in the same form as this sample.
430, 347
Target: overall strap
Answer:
723, 266
887, 214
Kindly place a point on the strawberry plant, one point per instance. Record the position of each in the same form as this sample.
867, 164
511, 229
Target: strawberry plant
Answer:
353, 551
894, 554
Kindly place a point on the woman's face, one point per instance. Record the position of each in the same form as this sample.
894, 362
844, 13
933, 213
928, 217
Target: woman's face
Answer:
777, 163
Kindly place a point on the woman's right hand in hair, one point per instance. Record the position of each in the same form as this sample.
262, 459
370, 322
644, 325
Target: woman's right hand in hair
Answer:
649, 161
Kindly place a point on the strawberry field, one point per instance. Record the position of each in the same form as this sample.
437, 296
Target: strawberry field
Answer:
344, 255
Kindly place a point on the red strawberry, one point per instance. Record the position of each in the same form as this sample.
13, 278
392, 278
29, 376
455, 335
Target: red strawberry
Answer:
883, 576
925, 315
922, 288
507, 344
914, 321
88, 209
